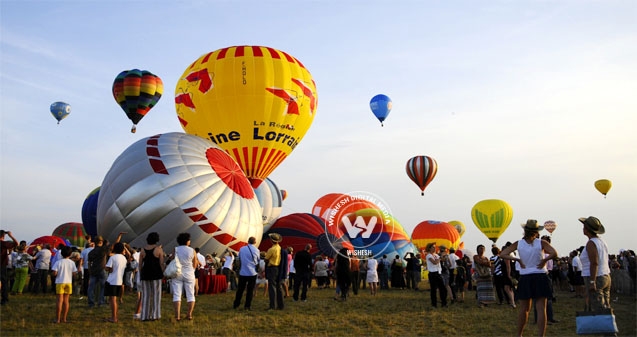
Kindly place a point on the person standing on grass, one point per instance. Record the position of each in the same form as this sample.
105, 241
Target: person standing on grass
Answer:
63, 270
595, 266
115, 266
186, 281
435, 279
534, 284
303, 265
342, 270
88, 247
372, 274
273, 258
354, 275
151, 274
42, 265
6, 246
22, 261
249, 257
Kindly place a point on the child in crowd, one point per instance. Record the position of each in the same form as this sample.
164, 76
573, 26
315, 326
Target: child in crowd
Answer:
63, 270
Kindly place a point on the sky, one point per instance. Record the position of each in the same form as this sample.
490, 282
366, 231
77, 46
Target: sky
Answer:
525, 101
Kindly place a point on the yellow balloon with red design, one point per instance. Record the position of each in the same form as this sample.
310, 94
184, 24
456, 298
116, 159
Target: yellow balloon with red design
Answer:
255, 102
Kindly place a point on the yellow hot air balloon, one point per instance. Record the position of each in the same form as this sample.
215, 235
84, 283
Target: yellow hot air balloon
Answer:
459, 226
254, 102
492, 217
603, 186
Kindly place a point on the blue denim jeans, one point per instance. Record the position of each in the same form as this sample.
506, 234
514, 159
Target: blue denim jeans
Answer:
96, 280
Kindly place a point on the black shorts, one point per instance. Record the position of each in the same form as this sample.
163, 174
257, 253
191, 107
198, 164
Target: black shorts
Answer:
111, 290
534, 286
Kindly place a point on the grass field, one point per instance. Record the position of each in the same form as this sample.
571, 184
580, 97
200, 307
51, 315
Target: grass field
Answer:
389, 313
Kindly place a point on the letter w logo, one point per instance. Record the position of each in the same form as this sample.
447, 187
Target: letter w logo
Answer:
359, 226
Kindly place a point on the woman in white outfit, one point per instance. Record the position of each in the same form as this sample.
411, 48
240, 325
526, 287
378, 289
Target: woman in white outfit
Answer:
372, 275
186, 281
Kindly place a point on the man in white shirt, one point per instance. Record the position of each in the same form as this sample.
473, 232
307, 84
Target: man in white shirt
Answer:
85, 276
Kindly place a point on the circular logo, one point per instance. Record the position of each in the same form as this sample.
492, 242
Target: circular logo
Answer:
359, 224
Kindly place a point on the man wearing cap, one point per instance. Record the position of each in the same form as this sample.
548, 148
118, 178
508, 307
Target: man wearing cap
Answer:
534, 283
273, 258
595, 267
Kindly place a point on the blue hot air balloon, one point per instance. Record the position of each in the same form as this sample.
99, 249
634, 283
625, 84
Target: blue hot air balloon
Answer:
381, 106
60, 110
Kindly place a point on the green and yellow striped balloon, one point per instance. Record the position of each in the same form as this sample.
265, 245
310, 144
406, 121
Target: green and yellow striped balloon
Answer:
492, 217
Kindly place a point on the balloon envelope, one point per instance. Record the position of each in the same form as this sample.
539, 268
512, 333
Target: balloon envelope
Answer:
381, 107
52, 240
333, 206
438, 232
550, 226
300, 229
386, 237
173, 183
254, 102
137, 91
603, 186
270, 199
89, 212
459, 226
492, 217
421, 170
71, 231
60, 110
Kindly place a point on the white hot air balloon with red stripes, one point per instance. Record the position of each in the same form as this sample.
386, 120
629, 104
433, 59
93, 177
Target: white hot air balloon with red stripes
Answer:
173, 183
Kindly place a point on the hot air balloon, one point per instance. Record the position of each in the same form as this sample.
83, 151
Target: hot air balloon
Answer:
89, 212
381, 107
270, 199
459, 226
254, 102
60, 110
333, 206
284, 194
299, 229
137, 91
52, 240
71, 231
386, 236
603, 186
432, 231
421, 170
492, 217
550, 226
173, 183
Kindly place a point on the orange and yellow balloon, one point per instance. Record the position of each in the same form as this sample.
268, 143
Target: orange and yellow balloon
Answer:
438, 232
603, 186
255, 102
492, 217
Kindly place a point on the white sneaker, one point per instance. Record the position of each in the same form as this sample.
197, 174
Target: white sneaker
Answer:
137, 316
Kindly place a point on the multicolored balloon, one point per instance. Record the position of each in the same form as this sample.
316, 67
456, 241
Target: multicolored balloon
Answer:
386, 237
271, 202
71, 231
459, 226
333, 206
492, 217
299, 229
255, 102
137, 91
421, 170
438, 232
60, 110
603, 186
89, 212
550, 226
381, 107
173, 183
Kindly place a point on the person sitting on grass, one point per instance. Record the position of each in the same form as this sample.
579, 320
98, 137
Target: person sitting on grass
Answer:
63, 270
